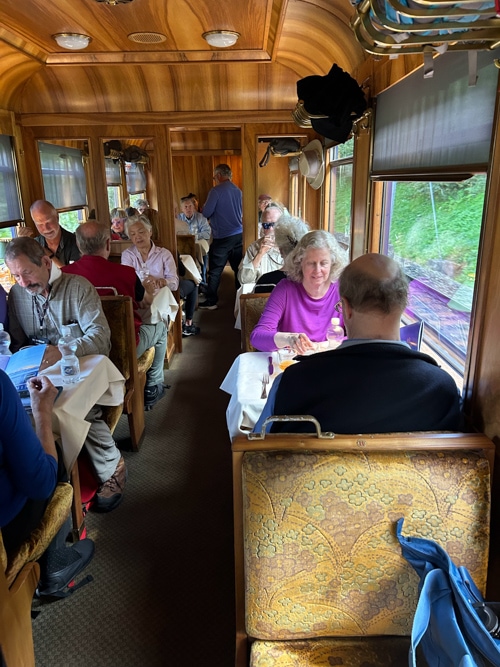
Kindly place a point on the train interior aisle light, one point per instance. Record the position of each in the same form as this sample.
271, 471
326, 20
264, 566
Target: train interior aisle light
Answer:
221, 38
72, 40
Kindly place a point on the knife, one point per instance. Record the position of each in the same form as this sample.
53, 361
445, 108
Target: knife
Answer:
270, 367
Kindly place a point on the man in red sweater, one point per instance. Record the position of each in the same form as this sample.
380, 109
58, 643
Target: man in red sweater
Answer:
94, 242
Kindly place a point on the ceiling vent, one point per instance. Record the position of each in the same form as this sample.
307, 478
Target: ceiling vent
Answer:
147, 37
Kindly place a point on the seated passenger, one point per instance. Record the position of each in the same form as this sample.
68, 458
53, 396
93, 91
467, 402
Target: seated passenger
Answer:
199, 226
299, 309
58, 243
262, 256
287, 233
144, 255
143, 208
118, 218
372, 382
43, 300
28, 477
94, 243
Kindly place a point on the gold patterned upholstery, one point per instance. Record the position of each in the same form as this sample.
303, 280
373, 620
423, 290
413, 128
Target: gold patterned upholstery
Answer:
320, 556
120, 315
55, 515
251, 307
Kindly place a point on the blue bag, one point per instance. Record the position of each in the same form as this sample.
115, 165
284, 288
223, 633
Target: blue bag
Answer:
446, 624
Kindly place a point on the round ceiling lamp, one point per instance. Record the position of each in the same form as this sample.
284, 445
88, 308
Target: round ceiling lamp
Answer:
221, 39
72, 40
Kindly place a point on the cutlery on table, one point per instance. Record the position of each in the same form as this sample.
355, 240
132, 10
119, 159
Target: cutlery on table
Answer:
265, 382
270, 366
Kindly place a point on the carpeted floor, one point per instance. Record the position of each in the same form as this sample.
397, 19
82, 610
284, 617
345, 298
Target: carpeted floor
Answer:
163, 592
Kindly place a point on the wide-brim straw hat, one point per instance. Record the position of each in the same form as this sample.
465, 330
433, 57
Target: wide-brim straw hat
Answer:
312, 163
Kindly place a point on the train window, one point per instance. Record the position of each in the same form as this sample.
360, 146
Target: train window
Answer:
135, 198
433, 230
63, 175
10, 203
340, 162
135, 176
71, 219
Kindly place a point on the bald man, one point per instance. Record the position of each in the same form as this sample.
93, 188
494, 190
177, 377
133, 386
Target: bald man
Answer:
58, 243
373, 382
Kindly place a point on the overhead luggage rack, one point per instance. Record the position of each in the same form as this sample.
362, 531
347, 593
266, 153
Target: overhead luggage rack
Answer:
395, 27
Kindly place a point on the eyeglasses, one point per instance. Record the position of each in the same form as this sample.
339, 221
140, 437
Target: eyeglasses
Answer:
338, 306
267, 225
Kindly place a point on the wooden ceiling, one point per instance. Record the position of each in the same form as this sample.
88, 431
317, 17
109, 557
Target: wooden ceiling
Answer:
280, 41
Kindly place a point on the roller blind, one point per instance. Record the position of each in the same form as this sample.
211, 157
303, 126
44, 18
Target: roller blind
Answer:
136, 177
10, 208
63, 176
440, 123
113, 172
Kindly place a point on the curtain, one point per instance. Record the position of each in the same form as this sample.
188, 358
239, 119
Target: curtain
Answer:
63, 176
10, 207
113, 172
440, 123
136, 177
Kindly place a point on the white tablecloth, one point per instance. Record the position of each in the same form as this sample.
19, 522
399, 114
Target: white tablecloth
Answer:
164, 306
246, 288
192, 272
101, 383
244, 383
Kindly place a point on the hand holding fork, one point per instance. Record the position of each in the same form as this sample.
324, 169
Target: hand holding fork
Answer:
265, 382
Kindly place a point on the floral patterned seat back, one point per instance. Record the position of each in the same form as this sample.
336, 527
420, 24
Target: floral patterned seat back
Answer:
321, 557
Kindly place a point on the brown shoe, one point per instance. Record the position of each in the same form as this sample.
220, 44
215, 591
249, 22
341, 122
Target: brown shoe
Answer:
110, 494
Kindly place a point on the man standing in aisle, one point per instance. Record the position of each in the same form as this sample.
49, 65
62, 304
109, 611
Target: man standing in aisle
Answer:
58, 244
225, 211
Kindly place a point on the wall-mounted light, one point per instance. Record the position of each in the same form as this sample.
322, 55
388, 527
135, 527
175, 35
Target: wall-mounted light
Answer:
221, 39
72, 40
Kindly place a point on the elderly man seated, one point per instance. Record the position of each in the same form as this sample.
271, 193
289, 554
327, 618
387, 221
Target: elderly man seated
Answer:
373, 382
94, 242
58, 243
43, 300
262, 256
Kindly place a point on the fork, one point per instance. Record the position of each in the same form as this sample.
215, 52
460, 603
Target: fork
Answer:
265, 382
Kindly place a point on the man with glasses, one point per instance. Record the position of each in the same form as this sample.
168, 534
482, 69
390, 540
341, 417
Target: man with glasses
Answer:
373, 382
224, 210
262, 256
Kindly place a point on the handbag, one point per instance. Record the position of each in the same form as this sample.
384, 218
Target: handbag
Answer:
449, 622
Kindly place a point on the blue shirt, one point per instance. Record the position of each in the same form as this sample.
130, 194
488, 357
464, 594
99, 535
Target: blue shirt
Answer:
26, 471
224, 208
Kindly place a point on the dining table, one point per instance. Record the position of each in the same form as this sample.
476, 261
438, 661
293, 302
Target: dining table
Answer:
101, 383
244, 383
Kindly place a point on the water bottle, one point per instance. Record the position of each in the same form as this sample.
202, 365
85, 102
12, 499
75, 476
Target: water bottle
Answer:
4, 342
70, 365
335, 333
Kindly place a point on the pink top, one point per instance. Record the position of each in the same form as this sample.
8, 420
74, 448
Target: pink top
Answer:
160, 263
289, 308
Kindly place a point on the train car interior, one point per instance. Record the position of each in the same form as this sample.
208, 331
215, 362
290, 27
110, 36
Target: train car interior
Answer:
375, 120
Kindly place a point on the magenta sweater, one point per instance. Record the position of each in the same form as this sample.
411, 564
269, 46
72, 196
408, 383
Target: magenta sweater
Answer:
290, 308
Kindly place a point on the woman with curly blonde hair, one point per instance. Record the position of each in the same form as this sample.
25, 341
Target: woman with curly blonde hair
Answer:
299, 309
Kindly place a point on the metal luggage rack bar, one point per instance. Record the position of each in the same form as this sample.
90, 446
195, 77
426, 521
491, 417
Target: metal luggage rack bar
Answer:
381, 35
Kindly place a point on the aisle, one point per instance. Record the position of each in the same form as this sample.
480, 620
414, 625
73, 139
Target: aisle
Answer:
163, 592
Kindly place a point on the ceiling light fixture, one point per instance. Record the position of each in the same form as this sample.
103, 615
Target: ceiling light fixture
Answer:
221, 39
72, 40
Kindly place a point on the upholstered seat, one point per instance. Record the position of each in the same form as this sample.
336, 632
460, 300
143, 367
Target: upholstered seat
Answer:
323, 572
119, 313
251, 307
19, 576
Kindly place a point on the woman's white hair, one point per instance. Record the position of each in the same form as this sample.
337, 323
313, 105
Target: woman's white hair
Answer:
315, 240
134, 219
287, 233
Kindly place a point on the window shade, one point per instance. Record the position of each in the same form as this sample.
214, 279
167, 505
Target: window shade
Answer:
63, 176
136, 177
113, 172
439, 123
10, 208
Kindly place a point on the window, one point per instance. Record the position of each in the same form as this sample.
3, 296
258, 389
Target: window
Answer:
10, 205
433, 230
71, 219
339, 194
135, 198
63, 176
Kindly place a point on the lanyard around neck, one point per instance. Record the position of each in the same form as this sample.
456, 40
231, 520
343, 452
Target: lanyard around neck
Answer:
41, 311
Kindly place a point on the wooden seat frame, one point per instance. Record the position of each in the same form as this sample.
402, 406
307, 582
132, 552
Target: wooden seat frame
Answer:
251, 307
